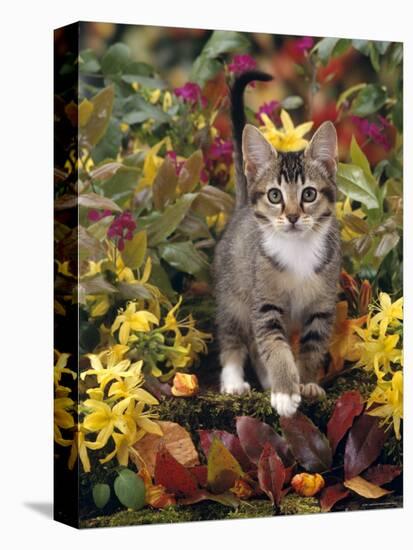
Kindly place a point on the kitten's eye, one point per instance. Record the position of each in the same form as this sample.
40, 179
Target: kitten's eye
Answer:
275, 196
309, 194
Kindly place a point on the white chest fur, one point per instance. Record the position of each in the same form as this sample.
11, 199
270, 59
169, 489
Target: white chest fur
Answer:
300, 255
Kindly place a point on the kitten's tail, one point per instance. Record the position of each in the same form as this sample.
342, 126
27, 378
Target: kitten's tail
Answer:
238, 123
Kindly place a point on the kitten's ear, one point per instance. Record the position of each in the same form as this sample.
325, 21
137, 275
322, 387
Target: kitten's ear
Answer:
323, 146
256, 150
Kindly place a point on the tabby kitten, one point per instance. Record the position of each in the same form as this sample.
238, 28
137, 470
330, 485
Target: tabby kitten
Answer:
277, 264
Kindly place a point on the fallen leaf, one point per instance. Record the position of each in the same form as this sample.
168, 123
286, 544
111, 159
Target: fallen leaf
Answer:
185, 385
364, 443
231, 442
364, 488
271, 473
382, 473
253, 434
227, 498
307, 485
347, 407
223, 468
310, 447
331, 495
176, 440
242, 489
201, 474
172, 475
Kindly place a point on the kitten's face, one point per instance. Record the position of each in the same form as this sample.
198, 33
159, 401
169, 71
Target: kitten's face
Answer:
292, 193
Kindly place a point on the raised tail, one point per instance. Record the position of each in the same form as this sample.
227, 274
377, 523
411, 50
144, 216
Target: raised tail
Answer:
238, 123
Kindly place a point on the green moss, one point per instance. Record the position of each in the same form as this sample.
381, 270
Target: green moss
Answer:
293, 504
141, 517
252, 509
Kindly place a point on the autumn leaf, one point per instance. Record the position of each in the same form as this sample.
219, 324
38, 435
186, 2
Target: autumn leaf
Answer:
307, 485
363, 446
231, 442
200, 472
331, 495
271, 473
344, 339
382, 473
172, 475
254, 434
364, 488
347, 407
223, 468
185, 385
226, 499
309, 446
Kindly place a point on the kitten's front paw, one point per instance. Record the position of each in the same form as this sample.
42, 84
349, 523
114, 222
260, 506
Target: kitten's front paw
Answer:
234, 387
312, 391
285, 404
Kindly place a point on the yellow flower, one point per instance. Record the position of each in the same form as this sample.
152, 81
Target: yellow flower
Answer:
104, 419
152, 163
143, 420
114, 368
389, 314
290, 138
122, 444
61, 368
132, 320
124, 127
342, 209
154, 96
378, 353
99, 304
344, 340
167, 101
389, 396
79, 448
130, 387
63, 419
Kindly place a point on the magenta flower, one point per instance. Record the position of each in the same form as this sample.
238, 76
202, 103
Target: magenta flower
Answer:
95, 215
268, 109
122, 228
221, 150
191, 93
372, 130
302, 45
242, 63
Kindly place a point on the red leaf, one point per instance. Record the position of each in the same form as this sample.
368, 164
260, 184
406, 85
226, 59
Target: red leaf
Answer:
309, 446
382, 473
330, 495
364, 443
347, 407
172, 475
253, 434
231, 442
227, 498
271, 473
200, 472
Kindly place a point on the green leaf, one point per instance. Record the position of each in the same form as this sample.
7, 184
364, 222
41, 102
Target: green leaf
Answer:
204, 69
101, 494
145, 81
108, 147
183, 257
352, 181
164, 185
325, 48
98, 122
130, 490
88, 62
211, 200
223, 468
93, 200
382, 46
374, 57
371, 98
194, 227
292, 102
119, 186
387, 242
341, 47
135, 250
100, 228
361, 45
138, 110
115, 59
356, 224
225, 41
169, 220
347, 93
359, 159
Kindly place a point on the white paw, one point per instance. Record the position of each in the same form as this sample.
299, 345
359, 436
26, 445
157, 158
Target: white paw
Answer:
285, 404
235, 387
312, 391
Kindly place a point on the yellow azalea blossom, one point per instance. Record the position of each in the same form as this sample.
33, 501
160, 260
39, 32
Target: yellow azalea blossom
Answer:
60, 367
79, 449
63, 268
62, 419
130, 387
108, 366
167, 101
135, 86
388, 395
342, 209
154, 96
124, 127
99, 304
344, 340
152, 163
96, 393
389, 313
144, 420
104, 420
122, 444
170, 322
131, 320
378, 353
94, 268
289, 138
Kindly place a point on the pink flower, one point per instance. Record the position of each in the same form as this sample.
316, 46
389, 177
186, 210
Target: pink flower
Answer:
372, 130
95, 215
267, 109
122, 228
221, 150
242, 63
191, 93
302, 45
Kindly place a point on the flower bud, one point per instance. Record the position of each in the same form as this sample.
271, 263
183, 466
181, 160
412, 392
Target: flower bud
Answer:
364, 297
350, 288
307, 485
185, 385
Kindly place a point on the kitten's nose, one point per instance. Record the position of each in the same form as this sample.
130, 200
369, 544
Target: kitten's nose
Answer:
292, 218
